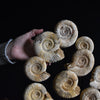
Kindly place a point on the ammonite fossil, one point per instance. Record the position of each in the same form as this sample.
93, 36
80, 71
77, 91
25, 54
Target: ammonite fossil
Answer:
85, 42
65, 84
36, 91
35, 69
95, 80
47, 46
82, 62
90, 94
67, 32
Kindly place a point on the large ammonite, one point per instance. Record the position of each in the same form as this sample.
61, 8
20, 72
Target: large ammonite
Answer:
85, 42
65, 84
82, 62
47, 46
90, 94
36, 91
67, 32
35, 69
95, 80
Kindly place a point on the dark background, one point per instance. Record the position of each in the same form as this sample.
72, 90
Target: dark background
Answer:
19, 18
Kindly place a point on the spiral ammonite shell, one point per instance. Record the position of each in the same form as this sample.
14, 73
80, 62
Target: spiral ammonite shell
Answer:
95, 80
90, 94
67, 32
35, 69
36, 91
85, 42
82, 62
46, 44
65, 84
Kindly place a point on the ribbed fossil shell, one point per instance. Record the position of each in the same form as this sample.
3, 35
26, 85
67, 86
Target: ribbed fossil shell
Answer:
82, 63
90, 94
36, 91
95, 80
47, 46
85, 42
35, 69
67, 32
65, 84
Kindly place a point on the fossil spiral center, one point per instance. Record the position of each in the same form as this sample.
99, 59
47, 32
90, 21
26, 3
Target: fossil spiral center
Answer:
37, 94
82, 61
84, 45
91, 97
48, 44
36, 68
68, 84
66, 30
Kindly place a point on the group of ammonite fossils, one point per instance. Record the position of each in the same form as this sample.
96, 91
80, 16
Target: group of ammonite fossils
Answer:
48, 50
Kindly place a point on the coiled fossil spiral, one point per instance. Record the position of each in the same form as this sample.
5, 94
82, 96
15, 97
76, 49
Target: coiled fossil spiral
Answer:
85, 42
82, 62
36, 91
65, 84
67, 32
90, 94
35, 69
47, 46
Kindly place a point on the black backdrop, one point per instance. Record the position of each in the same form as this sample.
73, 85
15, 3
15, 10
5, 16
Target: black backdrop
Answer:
16, 20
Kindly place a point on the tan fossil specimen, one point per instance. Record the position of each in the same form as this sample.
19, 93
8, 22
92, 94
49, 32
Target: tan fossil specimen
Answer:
95, 80
36, 91
47, 46
65, 84
82, 62
85, 42
35, 69
90, 94
67, 32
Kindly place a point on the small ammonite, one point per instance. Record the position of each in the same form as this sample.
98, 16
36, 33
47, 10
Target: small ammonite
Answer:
36, 91
85, 42
35, 69
82, 62
67, 32
90, 94
66, 84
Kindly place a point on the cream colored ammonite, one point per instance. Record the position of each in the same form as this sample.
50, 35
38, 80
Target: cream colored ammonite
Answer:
46, 44
36, 91
90, 94
35, 69
85, 42
65, 84
67, 32
82, 62
95, 80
